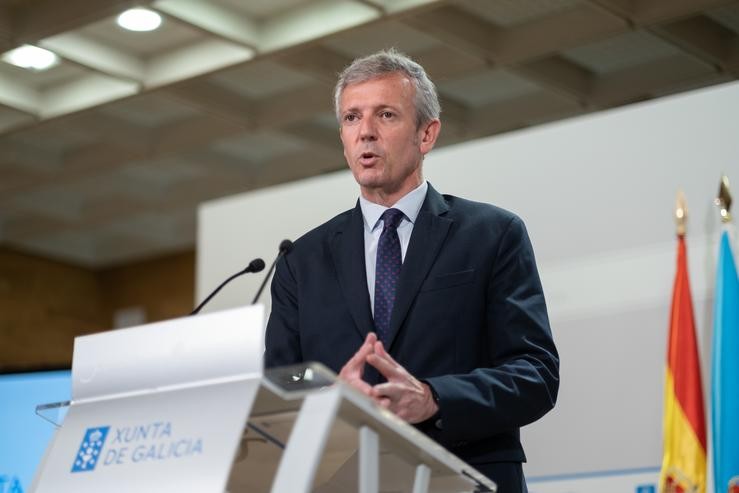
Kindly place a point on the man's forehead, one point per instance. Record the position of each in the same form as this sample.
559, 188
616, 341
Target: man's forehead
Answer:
389, 85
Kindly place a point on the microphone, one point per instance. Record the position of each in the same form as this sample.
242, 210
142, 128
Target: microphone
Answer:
256, 265
285, 246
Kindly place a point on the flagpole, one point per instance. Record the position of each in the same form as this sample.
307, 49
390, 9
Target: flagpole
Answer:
725, 366
681, 213
723, 200
684, 423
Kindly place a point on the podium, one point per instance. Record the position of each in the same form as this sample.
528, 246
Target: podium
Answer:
184, 405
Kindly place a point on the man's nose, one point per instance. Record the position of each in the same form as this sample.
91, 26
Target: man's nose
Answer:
367, 130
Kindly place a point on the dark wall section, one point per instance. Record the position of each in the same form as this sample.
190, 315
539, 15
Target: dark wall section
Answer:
44, 303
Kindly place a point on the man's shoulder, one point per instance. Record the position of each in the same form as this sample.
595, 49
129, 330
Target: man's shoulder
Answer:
325, 231
466, 210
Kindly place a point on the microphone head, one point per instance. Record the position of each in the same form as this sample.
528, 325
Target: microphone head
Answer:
256, 265
285, 246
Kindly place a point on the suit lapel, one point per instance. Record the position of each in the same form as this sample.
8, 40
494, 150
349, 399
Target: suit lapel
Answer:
347, 251
428, 235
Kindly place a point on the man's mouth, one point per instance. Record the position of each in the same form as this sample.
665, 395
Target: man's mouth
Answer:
368, 158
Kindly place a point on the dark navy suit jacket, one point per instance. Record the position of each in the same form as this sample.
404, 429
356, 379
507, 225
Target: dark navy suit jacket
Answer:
469, 318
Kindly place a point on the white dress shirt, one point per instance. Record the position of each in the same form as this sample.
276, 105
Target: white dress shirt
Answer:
410, 205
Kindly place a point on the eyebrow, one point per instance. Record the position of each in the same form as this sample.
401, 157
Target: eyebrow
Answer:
356, 109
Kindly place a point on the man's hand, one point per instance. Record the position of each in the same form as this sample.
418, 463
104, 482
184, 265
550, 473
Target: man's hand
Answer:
402, 394
353, 370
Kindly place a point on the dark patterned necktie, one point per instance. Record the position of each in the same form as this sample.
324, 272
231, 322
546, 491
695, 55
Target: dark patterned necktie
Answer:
387, 271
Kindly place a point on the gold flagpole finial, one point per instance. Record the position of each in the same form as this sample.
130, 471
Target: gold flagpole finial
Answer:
724, 199
681, 213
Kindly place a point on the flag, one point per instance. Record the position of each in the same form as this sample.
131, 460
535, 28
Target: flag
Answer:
684, 426
725, 375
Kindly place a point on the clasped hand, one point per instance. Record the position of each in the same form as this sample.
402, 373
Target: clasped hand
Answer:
403, 394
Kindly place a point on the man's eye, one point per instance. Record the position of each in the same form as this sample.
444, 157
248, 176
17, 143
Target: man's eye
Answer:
350, 118
387, 114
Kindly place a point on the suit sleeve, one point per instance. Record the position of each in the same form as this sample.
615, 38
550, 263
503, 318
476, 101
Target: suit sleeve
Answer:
282, 339
521, 382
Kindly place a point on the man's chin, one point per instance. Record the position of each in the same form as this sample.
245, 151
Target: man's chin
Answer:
369, 179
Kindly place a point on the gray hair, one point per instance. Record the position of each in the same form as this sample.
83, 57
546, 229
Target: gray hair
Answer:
387, 62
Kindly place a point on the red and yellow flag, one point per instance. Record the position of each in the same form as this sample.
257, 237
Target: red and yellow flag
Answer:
684, 460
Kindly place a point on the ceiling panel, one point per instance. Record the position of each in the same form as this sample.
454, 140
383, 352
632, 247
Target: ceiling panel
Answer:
149, 110
10, 118
620, 52
161, 228
171, 35
78, 248
487, 87
163, 173
509, 13
261, 79
727, 16
55, 137
259, 147
263, 10
60, 74
379, 36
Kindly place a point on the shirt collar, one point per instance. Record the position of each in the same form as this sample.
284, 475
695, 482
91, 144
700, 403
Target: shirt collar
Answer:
410, 205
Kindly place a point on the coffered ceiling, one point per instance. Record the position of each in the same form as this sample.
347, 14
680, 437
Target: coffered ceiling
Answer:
105, 157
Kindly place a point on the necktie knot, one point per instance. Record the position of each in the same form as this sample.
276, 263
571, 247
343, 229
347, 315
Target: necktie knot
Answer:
391, 218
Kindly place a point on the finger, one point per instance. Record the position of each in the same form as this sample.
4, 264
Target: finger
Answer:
353, 369
386, 367
383, 402
379, 348
357, 361
387, 389
361, 386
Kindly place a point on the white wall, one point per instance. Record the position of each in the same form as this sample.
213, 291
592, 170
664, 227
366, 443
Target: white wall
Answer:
597, 194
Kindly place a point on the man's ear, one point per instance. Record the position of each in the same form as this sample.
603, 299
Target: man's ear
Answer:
429, 132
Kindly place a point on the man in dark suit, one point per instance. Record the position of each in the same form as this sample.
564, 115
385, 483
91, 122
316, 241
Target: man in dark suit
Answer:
429, 304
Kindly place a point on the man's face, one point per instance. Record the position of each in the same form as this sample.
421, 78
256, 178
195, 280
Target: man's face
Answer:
382, 143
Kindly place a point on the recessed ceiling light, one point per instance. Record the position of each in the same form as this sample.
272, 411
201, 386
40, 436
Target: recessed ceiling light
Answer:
31, 58
139, 19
